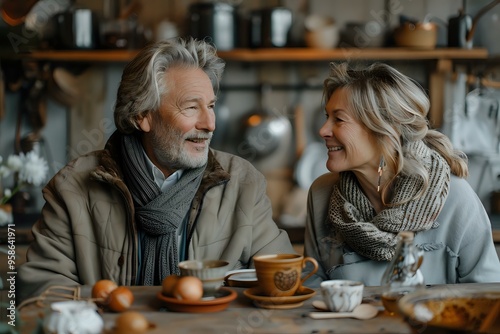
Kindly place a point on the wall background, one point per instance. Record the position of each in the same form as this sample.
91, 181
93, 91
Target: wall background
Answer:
94, 115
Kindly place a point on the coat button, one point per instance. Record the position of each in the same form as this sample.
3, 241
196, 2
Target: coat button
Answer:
121, 261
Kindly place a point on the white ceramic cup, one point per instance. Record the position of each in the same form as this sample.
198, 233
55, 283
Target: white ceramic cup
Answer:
342, 295
210, 272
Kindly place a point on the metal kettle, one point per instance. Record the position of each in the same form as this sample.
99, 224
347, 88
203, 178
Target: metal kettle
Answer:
461, 27
458, 29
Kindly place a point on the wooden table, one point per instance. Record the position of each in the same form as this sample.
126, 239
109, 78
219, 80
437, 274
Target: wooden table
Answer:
243, 317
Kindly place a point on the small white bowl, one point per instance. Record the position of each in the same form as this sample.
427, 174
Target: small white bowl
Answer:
342, 295
211, 273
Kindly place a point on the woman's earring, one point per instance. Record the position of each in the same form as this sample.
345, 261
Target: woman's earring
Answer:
380, 171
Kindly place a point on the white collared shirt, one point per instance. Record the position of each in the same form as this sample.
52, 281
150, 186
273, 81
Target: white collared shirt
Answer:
159, 177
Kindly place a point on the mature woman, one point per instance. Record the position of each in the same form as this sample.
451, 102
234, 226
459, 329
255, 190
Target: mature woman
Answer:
389, 173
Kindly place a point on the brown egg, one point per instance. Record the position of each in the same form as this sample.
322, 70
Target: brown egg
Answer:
131, 322
188, 288
102, 289
120, 299
168, 285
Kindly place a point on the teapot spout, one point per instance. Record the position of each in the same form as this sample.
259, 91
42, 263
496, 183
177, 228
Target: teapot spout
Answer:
479, 14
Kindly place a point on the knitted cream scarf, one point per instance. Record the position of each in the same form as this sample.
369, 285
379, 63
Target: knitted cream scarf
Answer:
374, 236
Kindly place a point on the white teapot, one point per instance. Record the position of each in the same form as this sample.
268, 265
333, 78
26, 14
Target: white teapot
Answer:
73, 317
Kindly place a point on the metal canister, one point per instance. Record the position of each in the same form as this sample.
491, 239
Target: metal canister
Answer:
216, 21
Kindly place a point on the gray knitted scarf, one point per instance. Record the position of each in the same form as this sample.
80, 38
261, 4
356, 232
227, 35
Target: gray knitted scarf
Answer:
374, 235
157, 214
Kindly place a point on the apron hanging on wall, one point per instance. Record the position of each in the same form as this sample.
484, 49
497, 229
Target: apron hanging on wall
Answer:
472, 123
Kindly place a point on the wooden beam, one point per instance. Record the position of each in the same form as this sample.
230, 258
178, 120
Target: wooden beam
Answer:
437, 80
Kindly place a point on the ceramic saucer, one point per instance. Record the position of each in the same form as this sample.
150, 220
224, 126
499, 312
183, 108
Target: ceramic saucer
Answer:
287, 302
243, 278
219, 302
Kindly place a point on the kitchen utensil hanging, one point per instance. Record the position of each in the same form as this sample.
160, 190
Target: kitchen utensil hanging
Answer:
264, 129
471, 119
481, 122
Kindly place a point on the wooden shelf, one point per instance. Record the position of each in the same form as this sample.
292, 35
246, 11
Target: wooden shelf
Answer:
84, 55
443, 58
306, 54
278, 54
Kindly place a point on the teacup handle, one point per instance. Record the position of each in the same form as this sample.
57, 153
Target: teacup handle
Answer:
314, 263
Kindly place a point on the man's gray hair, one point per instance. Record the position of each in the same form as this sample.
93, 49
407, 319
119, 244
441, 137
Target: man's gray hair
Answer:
144, 83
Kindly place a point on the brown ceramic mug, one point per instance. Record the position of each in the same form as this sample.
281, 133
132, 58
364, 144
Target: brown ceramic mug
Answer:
279, 275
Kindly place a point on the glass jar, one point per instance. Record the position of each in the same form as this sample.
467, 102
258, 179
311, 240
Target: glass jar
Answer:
402, 274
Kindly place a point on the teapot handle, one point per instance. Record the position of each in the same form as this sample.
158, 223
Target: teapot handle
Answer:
481, 12
419, 256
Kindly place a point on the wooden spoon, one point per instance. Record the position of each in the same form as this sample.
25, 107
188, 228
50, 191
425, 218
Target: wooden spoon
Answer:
362, 312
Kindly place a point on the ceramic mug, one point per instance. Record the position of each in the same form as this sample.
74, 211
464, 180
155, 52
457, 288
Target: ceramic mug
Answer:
342, 295
279, 275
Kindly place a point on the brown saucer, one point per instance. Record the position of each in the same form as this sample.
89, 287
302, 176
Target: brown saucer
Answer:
219, 302
287, 302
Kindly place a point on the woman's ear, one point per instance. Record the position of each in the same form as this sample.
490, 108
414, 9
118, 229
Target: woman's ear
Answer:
144, 123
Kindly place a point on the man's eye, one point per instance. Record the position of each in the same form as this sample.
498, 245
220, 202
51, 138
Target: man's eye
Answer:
190, 111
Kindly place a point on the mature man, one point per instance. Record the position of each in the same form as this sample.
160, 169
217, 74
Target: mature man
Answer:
157, 194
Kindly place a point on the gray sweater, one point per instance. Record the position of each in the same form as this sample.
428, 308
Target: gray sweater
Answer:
460, 250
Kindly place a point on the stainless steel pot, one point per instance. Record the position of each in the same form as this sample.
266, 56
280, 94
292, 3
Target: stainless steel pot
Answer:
215, 20
76, 28
270, 27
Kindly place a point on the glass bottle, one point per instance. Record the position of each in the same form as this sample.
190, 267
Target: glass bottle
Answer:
402, 274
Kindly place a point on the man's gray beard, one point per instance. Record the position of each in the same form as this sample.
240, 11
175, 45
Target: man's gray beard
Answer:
174, 156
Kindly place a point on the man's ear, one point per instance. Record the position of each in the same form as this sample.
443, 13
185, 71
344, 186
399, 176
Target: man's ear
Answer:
144, 123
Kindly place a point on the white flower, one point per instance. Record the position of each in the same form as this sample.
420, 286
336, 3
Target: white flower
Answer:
27, 168
4, 171
5, 218
15, 162
33, 169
